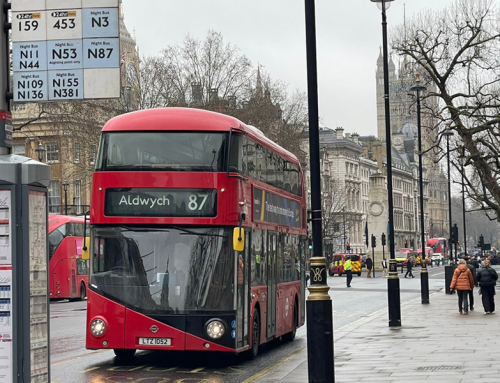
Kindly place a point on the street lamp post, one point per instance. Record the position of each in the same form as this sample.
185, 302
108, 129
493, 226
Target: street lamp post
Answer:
462, 164
319, 304
393, 280
448, 270
40, 152
449, 133
65, 187
343, 215
424, 275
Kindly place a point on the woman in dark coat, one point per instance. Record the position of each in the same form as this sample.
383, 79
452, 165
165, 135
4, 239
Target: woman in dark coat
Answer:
487, 278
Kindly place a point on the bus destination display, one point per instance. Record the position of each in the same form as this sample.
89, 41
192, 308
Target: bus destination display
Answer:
161, 202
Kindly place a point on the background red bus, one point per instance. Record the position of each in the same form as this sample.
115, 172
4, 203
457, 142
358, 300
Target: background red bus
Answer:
68, 272
438, 245
170, 188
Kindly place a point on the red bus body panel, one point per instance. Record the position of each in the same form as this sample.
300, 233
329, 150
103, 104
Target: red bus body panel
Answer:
113, 315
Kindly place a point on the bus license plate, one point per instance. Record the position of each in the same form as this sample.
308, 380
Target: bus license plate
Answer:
155, 341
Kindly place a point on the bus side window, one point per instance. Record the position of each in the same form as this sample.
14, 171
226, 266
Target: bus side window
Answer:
250, 157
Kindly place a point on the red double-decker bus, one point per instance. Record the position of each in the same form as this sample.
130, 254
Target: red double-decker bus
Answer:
197, 238
68, 272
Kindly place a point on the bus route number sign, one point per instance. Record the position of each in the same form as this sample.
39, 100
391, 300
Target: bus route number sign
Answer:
30, 86
29, 26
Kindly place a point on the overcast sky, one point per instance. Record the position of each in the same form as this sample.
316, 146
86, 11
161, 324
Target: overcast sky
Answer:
272, 33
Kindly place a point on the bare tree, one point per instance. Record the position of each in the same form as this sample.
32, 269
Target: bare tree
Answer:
458, 50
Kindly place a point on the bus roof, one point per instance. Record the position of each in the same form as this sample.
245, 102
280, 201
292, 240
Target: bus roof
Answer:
56, 220
188, 119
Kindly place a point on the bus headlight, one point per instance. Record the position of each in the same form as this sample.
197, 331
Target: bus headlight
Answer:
215, 329
98, 327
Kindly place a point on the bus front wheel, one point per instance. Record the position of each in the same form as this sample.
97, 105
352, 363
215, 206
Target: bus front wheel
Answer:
124, 353
83, 292
254, 351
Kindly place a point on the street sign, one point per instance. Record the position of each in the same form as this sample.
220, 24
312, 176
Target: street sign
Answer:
101, 83
101, 53
64, 24
29, 56
27, 5
99, 3
65, 54
100, 22
29, 26
30, 86
57, 43
63, 4
66, 85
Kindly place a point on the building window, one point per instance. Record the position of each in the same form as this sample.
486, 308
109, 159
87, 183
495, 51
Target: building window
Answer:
92, 154
78, 197
54, 197
77, 152
52, 153
19, 149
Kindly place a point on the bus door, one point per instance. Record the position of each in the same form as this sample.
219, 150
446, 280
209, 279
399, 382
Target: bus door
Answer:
243, 293
271, 285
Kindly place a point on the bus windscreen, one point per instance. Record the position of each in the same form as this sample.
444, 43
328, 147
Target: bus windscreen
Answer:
172, 151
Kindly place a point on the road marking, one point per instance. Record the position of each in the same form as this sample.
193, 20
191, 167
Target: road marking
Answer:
89, 369
76, 357
268, 369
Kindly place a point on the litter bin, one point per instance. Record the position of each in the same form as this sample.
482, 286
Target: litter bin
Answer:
448, 276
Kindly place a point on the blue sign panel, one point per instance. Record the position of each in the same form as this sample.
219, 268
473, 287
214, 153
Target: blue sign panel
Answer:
100, 22
65, 54
30, 86
269, 207
101, 53
66, 84
29, 56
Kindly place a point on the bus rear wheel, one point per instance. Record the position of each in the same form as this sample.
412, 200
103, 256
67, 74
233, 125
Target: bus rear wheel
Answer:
83, 292
254, 351
124, 353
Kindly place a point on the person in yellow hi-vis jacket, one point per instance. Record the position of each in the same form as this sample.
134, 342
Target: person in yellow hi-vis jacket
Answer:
348, 270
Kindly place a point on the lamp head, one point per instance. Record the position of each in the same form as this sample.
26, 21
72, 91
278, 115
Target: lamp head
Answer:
65, 185
381, 3
40, 151
448, 132
417, 87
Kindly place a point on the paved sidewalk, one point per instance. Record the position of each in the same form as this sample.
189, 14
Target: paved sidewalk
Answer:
434, 344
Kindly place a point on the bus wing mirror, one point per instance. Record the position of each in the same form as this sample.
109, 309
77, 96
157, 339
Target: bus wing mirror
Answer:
238, 239
85, 249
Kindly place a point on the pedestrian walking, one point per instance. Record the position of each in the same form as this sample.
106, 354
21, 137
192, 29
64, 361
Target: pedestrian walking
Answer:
369, 266
385, 273
463, 282
487, 279
471, 291
409, 267
348, 270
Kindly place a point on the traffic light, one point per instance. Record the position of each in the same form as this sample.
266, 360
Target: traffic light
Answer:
406, 244
310, 244
411, 243
374, 241
347, 246
481, 241
383, 239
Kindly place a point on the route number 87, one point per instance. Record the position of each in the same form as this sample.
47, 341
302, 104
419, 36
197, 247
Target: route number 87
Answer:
28, 25
197, 201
